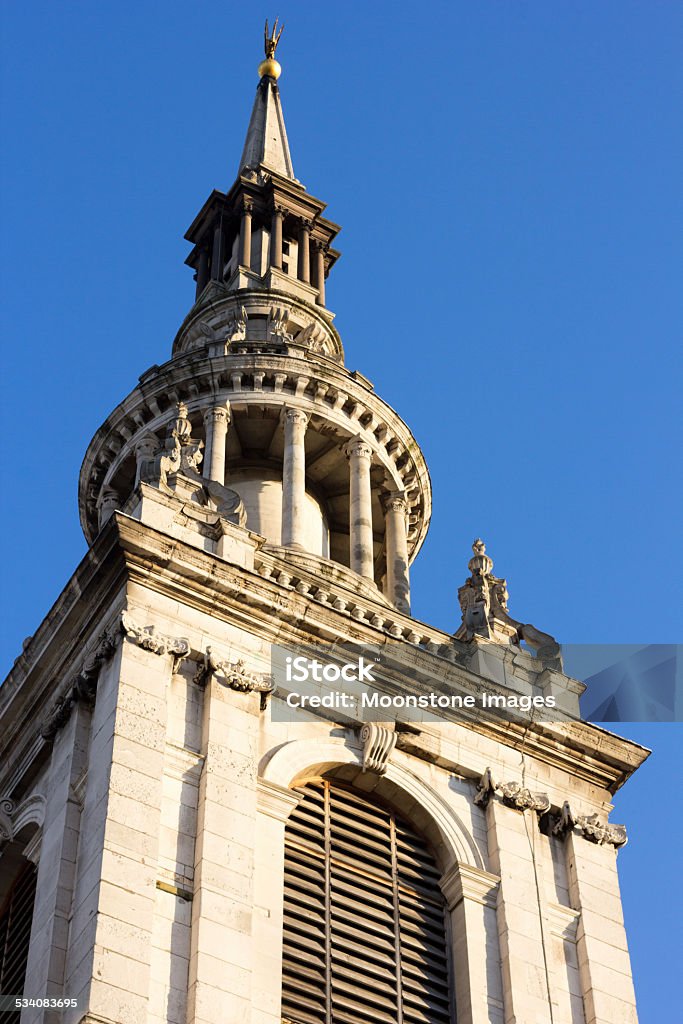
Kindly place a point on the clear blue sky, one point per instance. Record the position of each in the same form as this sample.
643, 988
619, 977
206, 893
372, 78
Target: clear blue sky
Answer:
508, 177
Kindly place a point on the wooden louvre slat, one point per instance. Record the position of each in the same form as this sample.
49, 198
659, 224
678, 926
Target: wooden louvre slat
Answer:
364, 939
15, 932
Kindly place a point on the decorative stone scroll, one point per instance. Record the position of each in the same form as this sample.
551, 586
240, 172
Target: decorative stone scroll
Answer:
312, 336
278, 325
512, 794
14, 817
234, 675
149, 639
6, 825
378, 744
590, 826
82, 688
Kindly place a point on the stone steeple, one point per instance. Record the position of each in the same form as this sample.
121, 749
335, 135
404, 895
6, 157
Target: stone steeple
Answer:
255, 419
267, 232
266, 144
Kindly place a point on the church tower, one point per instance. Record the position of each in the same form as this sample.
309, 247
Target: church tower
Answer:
184, 838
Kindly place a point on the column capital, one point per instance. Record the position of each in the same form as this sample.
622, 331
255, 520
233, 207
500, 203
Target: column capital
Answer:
247, 205
305, 223
464, 882
218, 413
358, 448
279, 210
290, 414
394, 501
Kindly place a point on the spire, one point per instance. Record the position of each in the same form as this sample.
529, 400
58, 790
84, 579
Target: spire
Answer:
266, 143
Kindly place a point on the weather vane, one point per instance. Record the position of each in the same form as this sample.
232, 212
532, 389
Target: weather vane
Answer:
271, 41
269, 68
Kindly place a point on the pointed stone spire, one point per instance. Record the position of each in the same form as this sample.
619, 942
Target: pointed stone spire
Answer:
266, 144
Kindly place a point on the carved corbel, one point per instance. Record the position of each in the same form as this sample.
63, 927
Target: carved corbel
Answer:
590, 826
485, 789
511, 793
149, 639
83, 687
522, 799
234, 675
378, 744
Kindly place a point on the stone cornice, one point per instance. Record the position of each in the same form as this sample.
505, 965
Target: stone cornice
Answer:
128, 550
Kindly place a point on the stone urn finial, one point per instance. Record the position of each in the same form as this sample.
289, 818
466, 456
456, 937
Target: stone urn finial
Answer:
480, 564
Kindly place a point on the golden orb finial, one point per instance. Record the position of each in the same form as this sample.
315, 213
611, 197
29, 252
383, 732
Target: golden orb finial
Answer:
270, 67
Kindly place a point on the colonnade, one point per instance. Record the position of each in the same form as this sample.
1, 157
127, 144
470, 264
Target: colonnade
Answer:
359, 454
311, 251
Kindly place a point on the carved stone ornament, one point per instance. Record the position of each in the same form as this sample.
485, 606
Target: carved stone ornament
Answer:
523, 799
278, 325
82, 688
378, 743
512, 794
483, 602
6, 826
180, 452
234, 675
590, 826
148, 639
312, 336
358, 448
236, 328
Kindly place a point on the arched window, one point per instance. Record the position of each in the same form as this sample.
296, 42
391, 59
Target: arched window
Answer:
364, 922
16, 917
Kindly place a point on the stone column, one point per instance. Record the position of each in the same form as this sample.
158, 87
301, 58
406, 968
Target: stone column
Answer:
216, 420
294, 478
145, 450
202, 272
470, 895
359, 454
320, 272
396, 526
109, 501
276, 238
245, 236
217, 254
604, 964
304, 268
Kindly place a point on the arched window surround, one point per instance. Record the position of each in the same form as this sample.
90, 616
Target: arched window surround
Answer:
467, 886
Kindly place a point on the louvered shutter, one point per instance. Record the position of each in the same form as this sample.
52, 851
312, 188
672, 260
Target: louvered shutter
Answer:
15, 931
364, 934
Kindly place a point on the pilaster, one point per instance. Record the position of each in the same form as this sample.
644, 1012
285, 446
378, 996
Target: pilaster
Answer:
470, 895
523, 950
223, 950
604, 963
57, 865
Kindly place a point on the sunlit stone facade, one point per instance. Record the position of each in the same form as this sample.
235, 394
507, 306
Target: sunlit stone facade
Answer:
253, 491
